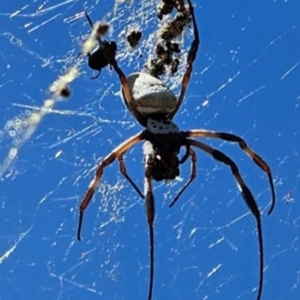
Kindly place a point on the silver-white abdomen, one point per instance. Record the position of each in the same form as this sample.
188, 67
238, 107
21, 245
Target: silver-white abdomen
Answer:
152, 96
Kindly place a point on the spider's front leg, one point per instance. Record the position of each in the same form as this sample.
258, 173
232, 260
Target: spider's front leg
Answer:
117, 152
190, 60
125, 85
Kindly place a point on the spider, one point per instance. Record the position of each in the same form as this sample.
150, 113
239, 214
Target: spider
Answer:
154, 106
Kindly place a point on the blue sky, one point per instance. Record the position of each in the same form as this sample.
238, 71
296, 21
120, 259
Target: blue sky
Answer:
245, 81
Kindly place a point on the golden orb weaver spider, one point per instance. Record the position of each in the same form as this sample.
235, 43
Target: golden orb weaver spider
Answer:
154, 106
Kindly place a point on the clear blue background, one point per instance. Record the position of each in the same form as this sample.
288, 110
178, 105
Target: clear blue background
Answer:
245, 81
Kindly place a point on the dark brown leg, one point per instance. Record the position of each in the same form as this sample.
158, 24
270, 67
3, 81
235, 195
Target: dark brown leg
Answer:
192, 175
247, 195
236, 139
124, 173
127, 91
120, 150
190, 59
150, 208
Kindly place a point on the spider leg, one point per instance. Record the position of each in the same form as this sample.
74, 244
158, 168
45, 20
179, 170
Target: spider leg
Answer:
124, 173
120, 150
186, 155
247, 195
190, 59
193, 174
150, 208
127, 91
236, 139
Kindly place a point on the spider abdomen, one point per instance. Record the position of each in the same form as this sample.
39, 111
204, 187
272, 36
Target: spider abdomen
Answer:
152, 96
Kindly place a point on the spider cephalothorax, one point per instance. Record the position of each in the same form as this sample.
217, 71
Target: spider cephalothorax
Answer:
154, 105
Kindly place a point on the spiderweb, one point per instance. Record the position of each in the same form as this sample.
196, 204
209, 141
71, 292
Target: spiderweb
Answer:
245, 81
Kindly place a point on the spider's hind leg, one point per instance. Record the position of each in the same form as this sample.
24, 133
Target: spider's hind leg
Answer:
150, 210
248, 197
193, 174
